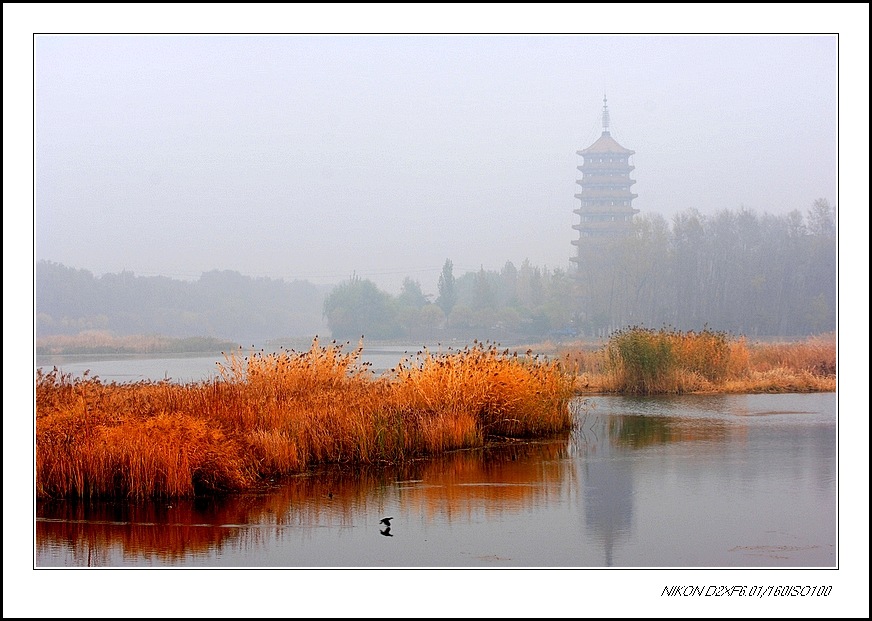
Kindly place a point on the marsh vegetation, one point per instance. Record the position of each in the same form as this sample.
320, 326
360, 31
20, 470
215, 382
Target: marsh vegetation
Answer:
267, 415
642, 361
270, 414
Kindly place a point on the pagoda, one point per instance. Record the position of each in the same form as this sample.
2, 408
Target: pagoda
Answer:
606, 211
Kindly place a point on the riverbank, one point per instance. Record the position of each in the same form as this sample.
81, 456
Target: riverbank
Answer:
96, 342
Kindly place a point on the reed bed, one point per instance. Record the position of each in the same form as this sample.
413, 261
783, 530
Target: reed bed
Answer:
280, 413
275, 414
816, 356
643, 361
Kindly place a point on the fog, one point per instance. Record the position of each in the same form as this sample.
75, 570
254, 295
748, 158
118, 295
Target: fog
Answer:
319, 157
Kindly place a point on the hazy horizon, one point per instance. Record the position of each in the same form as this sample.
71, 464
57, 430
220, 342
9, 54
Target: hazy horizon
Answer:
319, 157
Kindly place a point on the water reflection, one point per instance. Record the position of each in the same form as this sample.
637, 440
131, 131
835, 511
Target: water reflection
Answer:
709, 441
501, 478
607, 477
746, 482
607, 485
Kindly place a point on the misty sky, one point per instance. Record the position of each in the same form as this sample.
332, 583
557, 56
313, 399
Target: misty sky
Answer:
314, 157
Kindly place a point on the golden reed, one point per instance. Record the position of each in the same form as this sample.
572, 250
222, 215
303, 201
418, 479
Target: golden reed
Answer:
644, 361
271, 414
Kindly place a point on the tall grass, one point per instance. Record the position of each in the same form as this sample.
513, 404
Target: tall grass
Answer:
279, 413
816, 355
644, 361
95, 439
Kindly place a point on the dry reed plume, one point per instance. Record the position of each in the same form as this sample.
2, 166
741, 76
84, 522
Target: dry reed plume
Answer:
279, 413
645, 361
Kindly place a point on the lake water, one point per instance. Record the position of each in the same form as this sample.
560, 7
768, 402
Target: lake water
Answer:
186, 368
689, 481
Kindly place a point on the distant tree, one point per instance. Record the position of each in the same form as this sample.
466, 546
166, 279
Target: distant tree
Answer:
447, 291
358, 308
795, 224
221, 304
821, 268
529, 285
559, 300
731, 270
65, 297
483, 296
508, 286
432, 318
822, 219
509, 320
462, 319
689, 270
421, 323
411, 294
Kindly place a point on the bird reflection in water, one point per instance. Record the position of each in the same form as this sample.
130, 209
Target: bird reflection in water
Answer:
387, 530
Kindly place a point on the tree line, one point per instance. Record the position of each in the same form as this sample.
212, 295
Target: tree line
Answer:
735, 271
220, 304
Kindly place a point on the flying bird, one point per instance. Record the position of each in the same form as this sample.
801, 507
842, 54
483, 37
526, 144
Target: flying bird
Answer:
386, 521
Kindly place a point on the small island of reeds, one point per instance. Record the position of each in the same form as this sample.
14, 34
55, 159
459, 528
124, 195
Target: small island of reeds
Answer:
273, 414
644, 361
267, 415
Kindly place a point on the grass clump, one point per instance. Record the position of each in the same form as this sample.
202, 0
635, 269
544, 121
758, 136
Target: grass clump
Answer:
643, 361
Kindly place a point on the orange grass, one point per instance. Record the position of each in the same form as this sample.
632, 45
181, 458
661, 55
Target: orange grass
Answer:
276, 414
279, 413
669, 361
816, 355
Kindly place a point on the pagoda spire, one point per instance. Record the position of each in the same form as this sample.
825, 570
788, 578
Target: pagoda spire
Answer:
605, 116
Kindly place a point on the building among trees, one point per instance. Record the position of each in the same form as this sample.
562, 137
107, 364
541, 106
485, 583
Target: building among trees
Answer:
605, 222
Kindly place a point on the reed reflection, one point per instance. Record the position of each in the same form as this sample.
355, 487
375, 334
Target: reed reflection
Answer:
642, 431
594, 466
493, 480
101, 533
